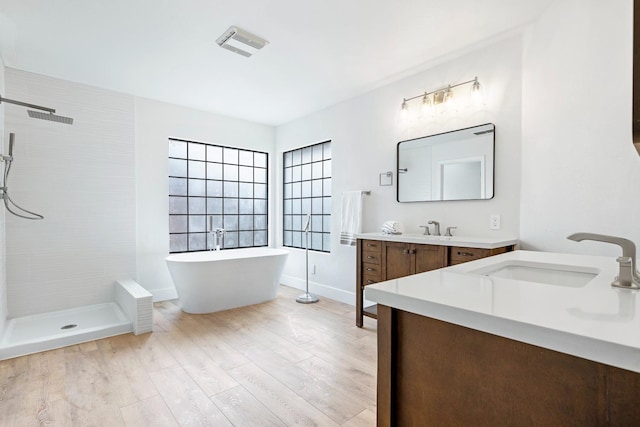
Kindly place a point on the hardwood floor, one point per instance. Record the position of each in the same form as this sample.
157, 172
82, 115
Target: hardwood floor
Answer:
274, 364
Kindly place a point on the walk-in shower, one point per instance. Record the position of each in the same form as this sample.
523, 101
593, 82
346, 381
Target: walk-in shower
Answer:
127, 307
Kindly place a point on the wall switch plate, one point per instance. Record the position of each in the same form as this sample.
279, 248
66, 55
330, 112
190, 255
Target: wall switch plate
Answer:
494, 222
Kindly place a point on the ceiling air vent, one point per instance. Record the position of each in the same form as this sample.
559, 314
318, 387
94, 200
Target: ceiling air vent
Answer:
241, 42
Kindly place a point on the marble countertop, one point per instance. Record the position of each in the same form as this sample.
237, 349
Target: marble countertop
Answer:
594, 321
466, 242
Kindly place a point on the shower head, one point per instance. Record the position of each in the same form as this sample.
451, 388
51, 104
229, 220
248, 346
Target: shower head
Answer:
37, 114
50, 116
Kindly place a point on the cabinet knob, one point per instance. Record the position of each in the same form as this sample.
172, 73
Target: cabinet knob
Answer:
412, 251
370, 269
465, 253
369, 257
371, 245
370, 281
405, 251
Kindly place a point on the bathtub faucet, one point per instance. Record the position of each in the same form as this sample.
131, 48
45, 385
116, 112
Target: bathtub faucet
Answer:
218, 233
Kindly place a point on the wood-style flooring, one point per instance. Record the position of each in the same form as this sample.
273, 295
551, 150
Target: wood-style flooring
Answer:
274, 364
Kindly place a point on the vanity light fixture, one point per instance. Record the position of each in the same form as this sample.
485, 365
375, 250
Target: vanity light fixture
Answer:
444, 97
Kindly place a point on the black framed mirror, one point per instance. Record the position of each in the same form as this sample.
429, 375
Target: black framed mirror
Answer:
456, 165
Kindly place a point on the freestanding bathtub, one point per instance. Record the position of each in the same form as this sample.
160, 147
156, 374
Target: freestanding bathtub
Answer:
211, 281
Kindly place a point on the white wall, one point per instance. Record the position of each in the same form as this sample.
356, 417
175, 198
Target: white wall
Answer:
364, 132
3, 260
155, 123
80, 178
580, 171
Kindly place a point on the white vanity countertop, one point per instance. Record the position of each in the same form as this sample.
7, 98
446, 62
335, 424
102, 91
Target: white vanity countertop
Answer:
466, 242
595, 321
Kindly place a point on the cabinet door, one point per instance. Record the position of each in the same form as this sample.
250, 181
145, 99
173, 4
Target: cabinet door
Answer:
429, 257
398, 260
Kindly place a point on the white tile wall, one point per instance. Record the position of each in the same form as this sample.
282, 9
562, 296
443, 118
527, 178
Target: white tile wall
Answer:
82, 179
3, 270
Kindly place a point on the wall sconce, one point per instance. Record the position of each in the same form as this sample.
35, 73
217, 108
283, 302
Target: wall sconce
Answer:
444, 98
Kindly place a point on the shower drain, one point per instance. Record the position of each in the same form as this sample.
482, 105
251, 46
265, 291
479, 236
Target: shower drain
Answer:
71, 326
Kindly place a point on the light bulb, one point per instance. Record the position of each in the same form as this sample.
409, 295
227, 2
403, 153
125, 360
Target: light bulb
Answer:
403, 114
427, 105
404, 106
477, 97
448, 102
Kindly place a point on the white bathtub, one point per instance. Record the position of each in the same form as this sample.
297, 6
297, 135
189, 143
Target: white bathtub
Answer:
211, 281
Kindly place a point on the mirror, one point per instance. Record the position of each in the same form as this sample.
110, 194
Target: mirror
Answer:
455, 165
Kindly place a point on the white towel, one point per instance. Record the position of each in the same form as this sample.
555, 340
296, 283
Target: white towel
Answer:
351, 217
392, 227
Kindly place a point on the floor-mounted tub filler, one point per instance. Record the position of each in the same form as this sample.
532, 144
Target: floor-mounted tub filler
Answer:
132, 311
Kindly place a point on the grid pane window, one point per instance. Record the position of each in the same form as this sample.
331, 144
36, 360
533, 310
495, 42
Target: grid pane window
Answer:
307, 190
211, 187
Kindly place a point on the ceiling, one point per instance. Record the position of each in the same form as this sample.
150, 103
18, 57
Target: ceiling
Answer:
320, 52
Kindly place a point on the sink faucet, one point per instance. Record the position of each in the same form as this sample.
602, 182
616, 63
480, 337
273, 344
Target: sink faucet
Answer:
426, 230
436, 227
628, 276
449, 230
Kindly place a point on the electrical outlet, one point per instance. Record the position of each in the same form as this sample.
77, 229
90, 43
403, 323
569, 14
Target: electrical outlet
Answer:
494, 222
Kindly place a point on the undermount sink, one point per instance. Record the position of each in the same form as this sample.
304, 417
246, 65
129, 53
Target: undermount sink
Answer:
547, 273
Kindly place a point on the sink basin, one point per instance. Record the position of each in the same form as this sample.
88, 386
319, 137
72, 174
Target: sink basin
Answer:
549, 274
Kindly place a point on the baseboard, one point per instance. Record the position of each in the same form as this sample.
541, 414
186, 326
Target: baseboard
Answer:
320, 289
165, 294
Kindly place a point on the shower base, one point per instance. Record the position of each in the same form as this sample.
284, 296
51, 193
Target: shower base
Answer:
47, 331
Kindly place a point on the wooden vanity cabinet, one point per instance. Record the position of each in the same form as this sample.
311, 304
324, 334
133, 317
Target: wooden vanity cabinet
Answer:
404, 259
431, 372
379, 260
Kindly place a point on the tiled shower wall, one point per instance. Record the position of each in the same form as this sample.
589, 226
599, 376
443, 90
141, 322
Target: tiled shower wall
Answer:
3, 264
82, 179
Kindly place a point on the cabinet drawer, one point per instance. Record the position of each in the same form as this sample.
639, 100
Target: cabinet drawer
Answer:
371, 270
368, 279
369, 257
460, 255
372, 246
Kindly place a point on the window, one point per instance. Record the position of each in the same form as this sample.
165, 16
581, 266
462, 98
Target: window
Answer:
212, 186
307, 190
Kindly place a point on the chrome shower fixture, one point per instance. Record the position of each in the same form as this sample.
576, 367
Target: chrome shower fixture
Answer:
50, 116
37, 114
4, 190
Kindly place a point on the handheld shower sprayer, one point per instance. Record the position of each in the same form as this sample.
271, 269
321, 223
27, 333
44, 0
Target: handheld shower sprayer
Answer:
12, 137
8, 203
307, 223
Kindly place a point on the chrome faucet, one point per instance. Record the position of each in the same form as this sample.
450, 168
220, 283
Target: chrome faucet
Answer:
436, 227
628, 276
218, 233
426, 230
449, 230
